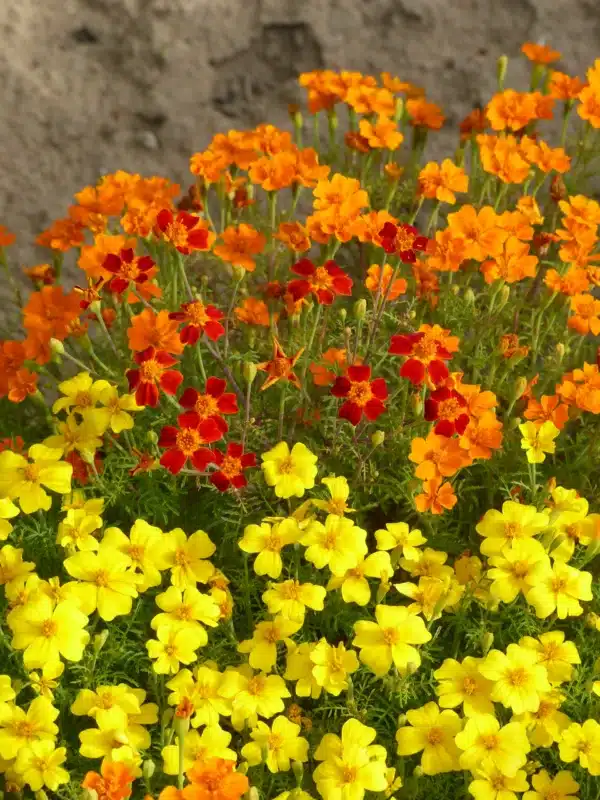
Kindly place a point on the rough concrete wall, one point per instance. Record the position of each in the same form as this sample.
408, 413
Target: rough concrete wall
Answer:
89, 86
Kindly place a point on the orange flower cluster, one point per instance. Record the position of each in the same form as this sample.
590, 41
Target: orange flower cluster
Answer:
581, 388
214, 779
588, 107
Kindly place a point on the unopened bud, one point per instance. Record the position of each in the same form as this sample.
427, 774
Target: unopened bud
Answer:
469, 297
238, 273
402, 720
41, 795
455, 289
253, 793
418, 772
360, 309
378, 438
343, 314
382, 590
487, 640
503, 296
100, 640
148, 769
399, 110
560, 351
501, 67
181, 726
90, 794
519, 387
514, 423
416, 402
249, 370
152, 437
298, 771
411, 668
166, 718
412, 314
57, 347
593, 621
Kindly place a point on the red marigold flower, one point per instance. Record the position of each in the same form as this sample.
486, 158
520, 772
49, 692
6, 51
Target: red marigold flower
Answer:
364, 395
82, 470
127, 268
186, 232
231, 464
324, 282
448, 407
187, 441
146, 462
200, 319
213, 403
402, 240
426, 355
153, 369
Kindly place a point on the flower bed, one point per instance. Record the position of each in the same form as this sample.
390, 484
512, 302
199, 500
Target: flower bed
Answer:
298, 504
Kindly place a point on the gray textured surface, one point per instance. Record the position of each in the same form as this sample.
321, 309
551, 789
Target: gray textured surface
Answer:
89, 86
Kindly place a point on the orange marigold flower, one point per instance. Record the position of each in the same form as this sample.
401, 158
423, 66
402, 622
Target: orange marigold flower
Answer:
308, 170
439, 182
422, 114
511, 110
564, 87
448, 409
271, 140
93, 256
436, 496
480, 230
588, 107
382, 134
239, 246
448, 251
528, 205
425, 352
575, 281
475, 122
478, 402
514, 263
22, 384
280, 367
96, 223
215, 779
342, 192
544, 157
150, 329
114, 782
62, 235
367, 227
501, 156
325, 282
322, 373
540, 53
437, 456
50, 311
198, 319
354, 141
427, 284
482, 436
509, 346
578, 252
371, 100
548, 408
294, 236
582, 388
6, 237
41, 273
253, 312
235, 147
585, 314
403, 240
102, 200
146, 462
275, 172
516, 223
187, 440
379, 283
12, 356
398, 86
582, 210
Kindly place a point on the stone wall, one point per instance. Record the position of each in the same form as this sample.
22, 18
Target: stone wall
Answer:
89, 86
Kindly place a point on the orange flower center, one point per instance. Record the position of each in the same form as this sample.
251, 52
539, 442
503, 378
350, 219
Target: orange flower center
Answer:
272, 635
435, 736
184, 612
498, 782
231, 467
291, 591
559, 585
286, 466
469, 686
489, 742
136, 553
24, 729
256, 685
584, 747
31, 473
150, 371
520, 569
390, 636
360, 393
280, 367
181, 558
188, 441
511, 530
554, 794
404, 240
545, 710
321, 279
449, 409
349, 774
572, 532
196, 313
206, 406
48, 628
129, 271
101, 578
517, 677
425, 349
177, 234
170, 650
83, 399
275, 741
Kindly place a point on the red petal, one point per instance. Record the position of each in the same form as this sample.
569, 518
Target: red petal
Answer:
431, 409
248, 460
214, 330
189, 221
147, 395
325, 297
461, 423
438, 371
209, 431
215, 386
407, 257
304, 267
189, 419
112, 263
220, 481
173, 460
403, 344
198, 239
168, 436
133, 378
239, 481
202, 458
358, 372
221, 424
298, 289
379, 388
214, 313
188, 398
145, 355
127, 255
373, 409
414, 370
170, 381
388, 231
228, 403
351, 412
163, 219
145, 263
164, 359
189, 335
118, 285
341, 387
445, 428
343, 285
235, 449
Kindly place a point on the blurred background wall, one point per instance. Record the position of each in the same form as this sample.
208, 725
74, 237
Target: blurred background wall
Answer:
90, 86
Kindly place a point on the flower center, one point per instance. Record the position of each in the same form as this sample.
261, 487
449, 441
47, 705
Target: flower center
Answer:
274, 543
101, 578
206, 406
321, 279
24, 729
348, 774
559, 585
177, 234
231, 467
129, 271
150, 371
520, 569
286, 466
31, 473
511, 530
489, 742
435, 736
196, 313
498, 782
188, 441
181, 558
404, 240
136, 553
426, 349
83, 399
256, 685
48, 628
517, 677
170, 650
390, 636
360, 393
291, 590
184, 612
280, 366
572, 532
337, 507
469, 686
272, 635
275, 741
449, 409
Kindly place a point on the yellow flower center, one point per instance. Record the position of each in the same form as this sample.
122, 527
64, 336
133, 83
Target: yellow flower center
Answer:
273, 543
184, 612
390, 636
336, 662
206, 406
291, 590
511, 530
40, 764
336, 507
48, 628
106, 700
177, 234
425, 349
520, 569
188, 441
498, 782
136, 553
517, 677
545, 710
435, 736
272, 635
231, 467
24, 729
150, 371
181, 558
572, 531
280, 367
101, 578
196, 313
489, 741
31, 473
330, 541
360, 393
170, 650
286, 465
449, 409
584, 747
558, 585
83, 399
348, 774
469, 686
275, 741
204, 691
256, 685
554, 794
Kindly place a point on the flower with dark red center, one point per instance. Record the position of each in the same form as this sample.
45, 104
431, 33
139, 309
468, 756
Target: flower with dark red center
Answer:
187, 442
231, 464
127, 268
448, 407
145, 462
326, 282
213, 403
402, 240
425, 355
280, 367
200, 319
186, 232
153, 372
364, 396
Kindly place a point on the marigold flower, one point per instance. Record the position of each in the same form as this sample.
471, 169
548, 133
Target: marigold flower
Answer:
114, 782
480, 231
556, 654
588, 107
291, 598
514, 263
511, 110
422, 114
447, 406
325, 282
474, 122
277, 746
252, 695
439, 182
231, 465
290, 472
563, 786
564, 87
518, 678
156, 330
322, 374
186, 232
426, 350
41, 273
382, 134
586, 314
338, 544
213, 403
153, 371
433, 732
254, 312
482, 436
582, 743
341, 192
540, 53
437, 456
558, 588
436, 496
367, 227
391, 639
486, 745
380, 283
187, 440
548, 408
398, 538
275, 172
50, 311
463, 684
128, 268
24, 479
268, 541
538, 440
354, 141
199, 319
403, 241
240, 245
364, 396
502, 156
294, 236
62, 235
280, 367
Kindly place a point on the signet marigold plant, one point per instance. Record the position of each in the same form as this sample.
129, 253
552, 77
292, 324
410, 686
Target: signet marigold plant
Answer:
298, 483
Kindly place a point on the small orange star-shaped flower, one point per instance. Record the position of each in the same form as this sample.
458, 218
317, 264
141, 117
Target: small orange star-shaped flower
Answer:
280, 367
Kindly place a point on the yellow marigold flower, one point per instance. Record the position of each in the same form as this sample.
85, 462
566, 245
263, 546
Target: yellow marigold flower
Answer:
211, 743
518, 677
39, 765
85, 437
8, 510
23, 480
276, 746
19, 728
462, 683
45, 683
113, 732
12, 567
252, 696
203, 690
431, 595
561, 787
80, 392
428, 563
566, 501
491, 784
332, 665
390, 640
147, 547
501, 529
6, 691
299, 668
399, 538
76, 529
186, 610
268, 541
292, 598
573, 528
339, 492
433, 732
338, 544
76, 500
290, 472
187, 558
106, 582
512, 569
538, 441
175, 645
353, 583
262, 648
559, 588
580, 743
545, 726
46, 632
352, 764
486, 745
115, 409
555, 654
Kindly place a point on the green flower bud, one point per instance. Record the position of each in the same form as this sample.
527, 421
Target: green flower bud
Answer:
249, 370
99, 640
343, 314
360, 309
487, 640
469, 297
519, 387
152, 437
378, 438
57, 347
503, 296
148, 769
501, 68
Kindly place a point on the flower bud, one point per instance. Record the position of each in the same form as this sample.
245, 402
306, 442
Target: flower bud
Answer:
238, 273
382, 590
249, 370
85, 343
416, 402
40, 795
253, 793
402, 720
57, 347
487, 640
378, 438
412, 314
166, 718
298, 771
343, 313
399, 110
519, 387
243, 767
90, 794
295, 115
148, 769
181, 726
560, 351
418, 772
503, 296
152, 437
455, 289
360, 309
593, 621
99, 640
501, 67
469, 297
514, 423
